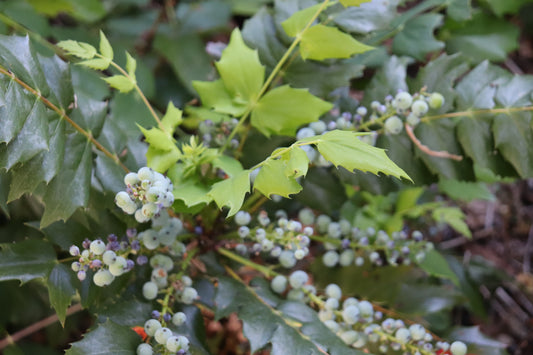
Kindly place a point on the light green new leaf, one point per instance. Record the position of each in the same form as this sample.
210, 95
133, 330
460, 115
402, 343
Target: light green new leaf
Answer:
96, 63
215, 95
343, 148
162, 160
26, 260
347, 3
158, 139
78, 49
284, 109
454, 217
192, 193
172, 118
229, 165
322, 42
240, 70
466, 190
296, 161
131, 66
120, 82
105, 47
272, 179
297, 22
231, 192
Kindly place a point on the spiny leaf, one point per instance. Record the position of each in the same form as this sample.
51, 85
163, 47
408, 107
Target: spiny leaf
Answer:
158, 139
272, 179
284, 109
240, 70
215, 95
60, 282
436, 265
297, 22
105, 47
78, 49
343, 148
322, 42
172, 118
107, 338
96, 63
231, 192
131, 66
121, 83
26, 260
417, 39
454, 217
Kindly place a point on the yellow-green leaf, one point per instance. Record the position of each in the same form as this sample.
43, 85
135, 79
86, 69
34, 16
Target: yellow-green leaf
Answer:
162, 160
105, 47
347, 3
131, 66
343, 148
120, 82
296, 162
297, 22
78, 49
172, 118
158, 139
231, 192
322, 42
240, 70
284, 109
214, 95
96, 63
272, 179
454, 217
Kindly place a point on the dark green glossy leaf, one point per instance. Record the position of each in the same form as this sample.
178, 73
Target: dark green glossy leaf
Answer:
26, 260
61, 284
416, 39
436, 265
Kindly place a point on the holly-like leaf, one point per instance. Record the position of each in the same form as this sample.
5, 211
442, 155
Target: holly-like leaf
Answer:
231, 192
465, 190
120, 82
78, 49
131, 67
105, 47
96, 63
290, 327
272, 179
107, 338
299, 20
162, 160
61, 288
284, 109
161, 140
323, 42
343, 148
416, 39
172, 118
454, 217
26, 260
240, 70
215, 95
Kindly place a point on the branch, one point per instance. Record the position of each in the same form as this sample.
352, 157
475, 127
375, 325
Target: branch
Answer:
427, 150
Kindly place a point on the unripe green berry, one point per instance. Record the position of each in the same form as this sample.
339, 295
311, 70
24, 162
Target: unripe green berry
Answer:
458, 348
162, 334
151, 326
97, 247
403, 100
436, 100
149, 290
419, 108
103, 278
393, 125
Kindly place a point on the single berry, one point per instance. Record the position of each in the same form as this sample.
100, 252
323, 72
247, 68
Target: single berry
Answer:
436, 100
458, 348
103, 278
97, 247
393, 125
144, 349
298, 279
162, 334
279, 284
149, 290
179, 318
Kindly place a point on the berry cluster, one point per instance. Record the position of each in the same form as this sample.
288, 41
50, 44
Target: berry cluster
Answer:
108, 260
164, 232
287, 240
358, 324
215, 134
147, 193
165, 341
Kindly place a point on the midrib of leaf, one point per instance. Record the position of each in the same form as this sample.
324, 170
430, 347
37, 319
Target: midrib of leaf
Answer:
62, 114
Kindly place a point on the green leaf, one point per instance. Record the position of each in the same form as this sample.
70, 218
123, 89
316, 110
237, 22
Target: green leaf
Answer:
416, 39
229, 165
501, 7
231, 192
161, 140
172, 118
78, 49
436, 265
272, 179
70, 189
214, 95
26, 260
407, 198
465, 190
121, 83
131, 66
191, 192
162, 160
240, 70
454, 217
96, 63
343, 148
371, 17
483, 38
297, 22
293, 329
322, 42
107, 338
105, 47
284, 109
347, 3
459, 10
296, 162
60, 283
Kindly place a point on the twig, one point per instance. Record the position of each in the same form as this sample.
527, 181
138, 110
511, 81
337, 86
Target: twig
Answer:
12, 339
427, 150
